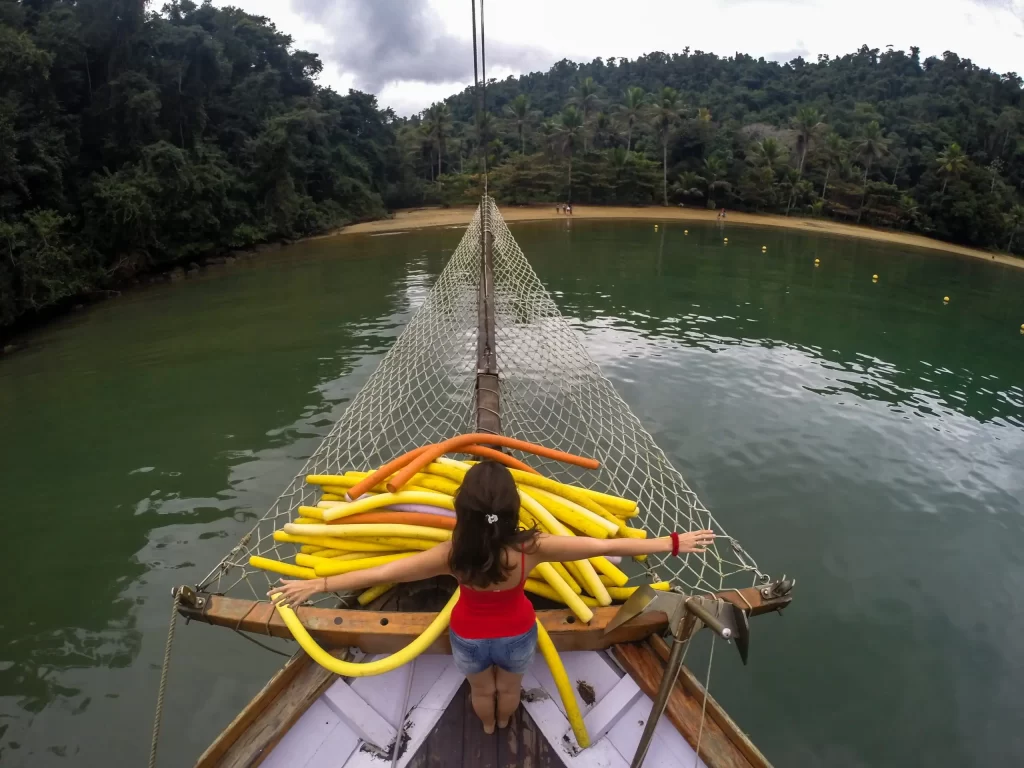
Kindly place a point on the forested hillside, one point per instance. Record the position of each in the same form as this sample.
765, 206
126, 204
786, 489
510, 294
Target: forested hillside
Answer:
131, 140
884, 139
135, 139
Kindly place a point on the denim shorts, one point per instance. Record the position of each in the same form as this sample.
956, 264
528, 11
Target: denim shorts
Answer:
512, 654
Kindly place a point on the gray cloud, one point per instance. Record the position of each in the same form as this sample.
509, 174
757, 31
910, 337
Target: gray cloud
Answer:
382, 41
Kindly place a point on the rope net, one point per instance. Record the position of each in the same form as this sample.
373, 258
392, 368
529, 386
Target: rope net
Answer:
552, 393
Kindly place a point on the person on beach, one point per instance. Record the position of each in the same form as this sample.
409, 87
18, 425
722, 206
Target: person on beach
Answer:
493, 627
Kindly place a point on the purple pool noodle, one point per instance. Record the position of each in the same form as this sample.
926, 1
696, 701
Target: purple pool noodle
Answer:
427, 509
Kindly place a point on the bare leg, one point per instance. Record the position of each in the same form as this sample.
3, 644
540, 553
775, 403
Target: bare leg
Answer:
509, 687
482, 689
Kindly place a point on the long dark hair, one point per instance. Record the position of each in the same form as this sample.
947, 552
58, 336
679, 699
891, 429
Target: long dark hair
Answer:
478, 546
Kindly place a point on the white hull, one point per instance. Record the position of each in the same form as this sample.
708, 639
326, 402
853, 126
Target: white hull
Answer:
355, 718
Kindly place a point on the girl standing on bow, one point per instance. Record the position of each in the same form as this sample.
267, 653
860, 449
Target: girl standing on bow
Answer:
493, 627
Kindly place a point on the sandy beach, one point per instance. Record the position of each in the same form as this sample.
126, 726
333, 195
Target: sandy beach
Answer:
419, 218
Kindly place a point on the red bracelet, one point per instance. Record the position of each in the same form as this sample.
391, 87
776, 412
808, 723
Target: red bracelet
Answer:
675, 544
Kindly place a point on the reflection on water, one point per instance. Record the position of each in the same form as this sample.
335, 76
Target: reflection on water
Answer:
861, 436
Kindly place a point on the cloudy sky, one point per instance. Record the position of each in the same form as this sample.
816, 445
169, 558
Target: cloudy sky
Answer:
414, 52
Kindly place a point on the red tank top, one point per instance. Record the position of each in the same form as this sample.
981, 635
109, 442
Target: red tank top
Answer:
483, 615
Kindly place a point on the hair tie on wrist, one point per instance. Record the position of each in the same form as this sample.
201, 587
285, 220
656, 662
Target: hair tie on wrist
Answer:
492, 519
675, 544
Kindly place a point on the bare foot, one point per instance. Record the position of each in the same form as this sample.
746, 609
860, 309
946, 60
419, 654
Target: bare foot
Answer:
489, 729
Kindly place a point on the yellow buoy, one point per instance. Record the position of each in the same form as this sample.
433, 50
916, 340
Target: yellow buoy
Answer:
1022, 327
655, 227
817, 262
686, 231
725, 240
945, 299
874, 277
764, 248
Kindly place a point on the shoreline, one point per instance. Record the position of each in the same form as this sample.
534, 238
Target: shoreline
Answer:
424, 218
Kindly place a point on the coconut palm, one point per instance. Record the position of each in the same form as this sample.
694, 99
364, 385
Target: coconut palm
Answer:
1014, 223
666, 106
871, 146
807, 123
952, 162
571, 131
834, 151
519, 111
715, 168
602, 130
438, 123
767, 153
585, 97
630, 110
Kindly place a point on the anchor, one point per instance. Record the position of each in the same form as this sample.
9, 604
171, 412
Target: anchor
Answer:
686, 614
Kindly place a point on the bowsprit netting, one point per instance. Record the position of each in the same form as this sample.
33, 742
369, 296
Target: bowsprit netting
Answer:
552, 393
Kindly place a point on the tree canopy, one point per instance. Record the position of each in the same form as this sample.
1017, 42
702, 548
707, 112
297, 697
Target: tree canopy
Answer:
134, 140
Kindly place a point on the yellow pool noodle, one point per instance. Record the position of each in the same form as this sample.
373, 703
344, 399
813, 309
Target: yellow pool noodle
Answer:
285, 569
362, 530
605, 566
333, 566
567, 596
380, 666
543, 589
387, 499
623, 593
326, 541
583, 520
367, 597
565, 689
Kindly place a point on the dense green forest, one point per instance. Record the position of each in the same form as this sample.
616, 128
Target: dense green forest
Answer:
133, 140
883, 139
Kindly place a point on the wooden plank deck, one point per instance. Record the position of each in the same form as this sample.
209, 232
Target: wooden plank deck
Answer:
459, 741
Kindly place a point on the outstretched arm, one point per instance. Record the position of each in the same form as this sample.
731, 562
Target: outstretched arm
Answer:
562, 548
422, 565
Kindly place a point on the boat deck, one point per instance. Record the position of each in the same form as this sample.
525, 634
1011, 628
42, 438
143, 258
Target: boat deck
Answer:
458, 741
437, 727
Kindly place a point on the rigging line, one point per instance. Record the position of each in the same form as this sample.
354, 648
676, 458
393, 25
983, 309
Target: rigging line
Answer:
159, 714
704, 703
261, 645
483, 86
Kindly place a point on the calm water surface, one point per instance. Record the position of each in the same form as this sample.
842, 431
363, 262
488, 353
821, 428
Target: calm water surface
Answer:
865, 438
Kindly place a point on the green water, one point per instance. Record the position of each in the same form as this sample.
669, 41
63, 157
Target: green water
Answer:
865, 438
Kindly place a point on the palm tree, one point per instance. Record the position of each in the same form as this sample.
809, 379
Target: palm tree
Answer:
666, 116
519, 110
585, 96
835, 150
871, 146
630, 109
767, 153
602, 130
549, 130
1014, 222
437, 120
715, 168
571, 131
952, 162
807, 122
